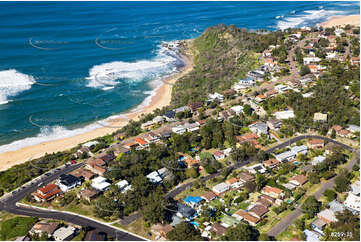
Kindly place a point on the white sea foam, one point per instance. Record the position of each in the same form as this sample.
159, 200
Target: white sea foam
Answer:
105, 75
12, 83
47, 133
307, 16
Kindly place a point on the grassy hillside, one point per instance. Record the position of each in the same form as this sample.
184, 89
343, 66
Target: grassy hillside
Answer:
222, 54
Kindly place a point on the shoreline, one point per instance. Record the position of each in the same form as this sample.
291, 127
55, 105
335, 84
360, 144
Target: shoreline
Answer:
341, 20
161, 98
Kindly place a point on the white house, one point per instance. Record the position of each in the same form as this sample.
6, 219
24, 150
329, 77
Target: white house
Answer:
259, 128
318, 160
180, 129
215, 96
352, 202
299, 149
157, 176
191, 127
282, 88
220, 188
123, 185
100, 183
284, 114
258, 168
64, 233
237, 109
285, 156
311, 60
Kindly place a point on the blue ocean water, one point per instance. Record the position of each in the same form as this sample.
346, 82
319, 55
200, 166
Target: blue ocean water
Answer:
64, 65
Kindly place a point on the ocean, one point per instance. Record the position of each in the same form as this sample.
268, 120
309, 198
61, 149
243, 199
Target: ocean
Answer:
65, 65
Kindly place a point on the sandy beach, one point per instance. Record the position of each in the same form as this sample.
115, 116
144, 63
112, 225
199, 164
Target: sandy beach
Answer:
342, 20
161, 98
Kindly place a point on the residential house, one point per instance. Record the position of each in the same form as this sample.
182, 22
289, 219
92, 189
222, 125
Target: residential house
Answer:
123, 186
316, 144
87, 194
209, 196
237, 109
243, 215
191, 127
258, 211
245, 177
170, 115
247, 138
64, 233
355, 188
285, 156
318, 225
44, 227
264, 202
107, 157
284, 114
84, 174
335, 206
215, 97
98, 166
353, 128
66, 182
271, 163
218, 155
327, 215
46, 193
195, 106
159, 120
274, 124
193, 202
272, 192
320, 117
257, 168
185, 211
352, 202
355, 60
132, 145
260, 98
158, 176
228, 221
141, 142
311, 236
299, 180
317, 160
234, 183
218, 229
100, 184
220, 188
182, 109
121, 151
151, 137
147, 125
267, 198
282, 88
299, 149
259, 128
311, 60
271, 93
180, 129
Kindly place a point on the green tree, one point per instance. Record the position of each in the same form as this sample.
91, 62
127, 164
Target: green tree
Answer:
311, 206
184, 231
241, 232
192, 172
330, 194
304, 70
342, 183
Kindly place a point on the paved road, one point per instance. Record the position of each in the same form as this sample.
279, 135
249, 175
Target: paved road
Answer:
8, 204
284, 223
